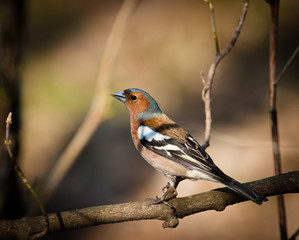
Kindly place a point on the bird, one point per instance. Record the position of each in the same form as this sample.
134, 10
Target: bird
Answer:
171, 150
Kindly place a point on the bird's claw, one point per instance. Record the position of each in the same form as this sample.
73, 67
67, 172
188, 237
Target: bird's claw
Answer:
169, 193
152, 199
158, 200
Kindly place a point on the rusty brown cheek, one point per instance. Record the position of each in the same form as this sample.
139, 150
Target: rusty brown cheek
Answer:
137, 106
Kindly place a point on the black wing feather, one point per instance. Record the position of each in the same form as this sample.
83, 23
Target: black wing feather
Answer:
191, 148
203, 162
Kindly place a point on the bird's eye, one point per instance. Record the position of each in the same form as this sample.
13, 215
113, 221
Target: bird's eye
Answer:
133, 97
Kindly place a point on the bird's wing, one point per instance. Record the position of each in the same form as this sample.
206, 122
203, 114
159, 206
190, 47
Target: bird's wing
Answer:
189, 153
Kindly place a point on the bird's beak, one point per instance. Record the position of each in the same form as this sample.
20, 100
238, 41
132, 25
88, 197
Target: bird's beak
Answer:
119, 96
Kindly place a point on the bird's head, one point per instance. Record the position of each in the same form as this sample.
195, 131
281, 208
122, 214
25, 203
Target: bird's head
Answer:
139, 103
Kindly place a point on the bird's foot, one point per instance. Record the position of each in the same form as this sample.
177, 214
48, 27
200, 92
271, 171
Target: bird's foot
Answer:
158, 200
169, 193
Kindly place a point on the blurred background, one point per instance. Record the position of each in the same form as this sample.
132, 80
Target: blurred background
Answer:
166, 46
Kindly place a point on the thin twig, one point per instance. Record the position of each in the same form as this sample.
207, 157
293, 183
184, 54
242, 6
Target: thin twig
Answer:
98, 106
16, 166
274, 4
206, 92
215, 36
24, 180
287, 65
7, 140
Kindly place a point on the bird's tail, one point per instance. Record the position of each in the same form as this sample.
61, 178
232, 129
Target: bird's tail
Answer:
241, 189
246, 192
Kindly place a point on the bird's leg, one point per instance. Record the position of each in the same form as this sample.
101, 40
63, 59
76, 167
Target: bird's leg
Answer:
164, 198
169, 191
164, 189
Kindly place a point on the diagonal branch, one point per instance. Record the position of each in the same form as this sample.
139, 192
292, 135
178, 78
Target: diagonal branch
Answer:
17, 167
24, 179
293, 237
98, 106
206, 92
217, 199
287, 65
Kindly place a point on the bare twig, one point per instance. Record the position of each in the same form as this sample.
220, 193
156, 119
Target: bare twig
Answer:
7, 140
24, 180
217, 199
215, 36
273, 112
287, 65
206, 92
99, 103
16, 166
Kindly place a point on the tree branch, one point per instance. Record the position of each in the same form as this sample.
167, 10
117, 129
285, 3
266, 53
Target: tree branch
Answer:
217, 199
274, 6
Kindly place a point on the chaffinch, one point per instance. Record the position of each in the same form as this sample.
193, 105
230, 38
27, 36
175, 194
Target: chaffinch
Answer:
170, 149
